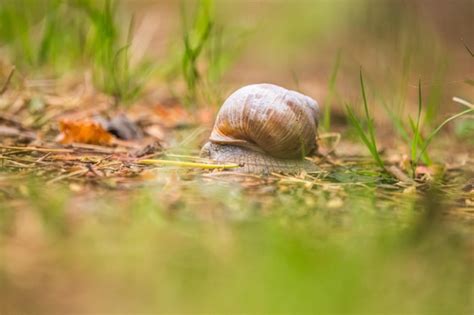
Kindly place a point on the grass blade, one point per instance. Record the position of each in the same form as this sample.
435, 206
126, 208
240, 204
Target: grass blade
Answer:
416, 136
397, 123
463, 102
7, 81
368, 137
435, 132
467, 48
331, 86
363, 136
370, 125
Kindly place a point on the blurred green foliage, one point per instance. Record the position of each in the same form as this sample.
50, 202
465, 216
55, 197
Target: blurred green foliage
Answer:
208, 50
41, 33
194, 40
222, 250
45, 36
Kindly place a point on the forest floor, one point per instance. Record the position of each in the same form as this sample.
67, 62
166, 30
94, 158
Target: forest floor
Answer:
72, 209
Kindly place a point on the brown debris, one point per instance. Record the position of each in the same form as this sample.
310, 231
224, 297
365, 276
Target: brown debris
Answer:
172, 114
83, 131
399, 174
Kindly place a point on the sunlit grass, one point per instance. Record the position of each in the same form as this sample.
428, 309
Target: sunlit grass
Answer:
195, 37
367, 136
112, 70
326, 120
72, 35
208, 51
417, 143
416, 131
40, 33
434, 133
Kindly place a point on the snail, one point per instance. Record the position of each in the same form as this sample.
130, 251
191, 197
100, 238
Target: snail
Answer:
265, 128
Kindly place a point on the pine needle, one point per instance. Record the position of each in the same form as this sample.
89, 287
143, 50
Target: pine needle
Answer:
187, 164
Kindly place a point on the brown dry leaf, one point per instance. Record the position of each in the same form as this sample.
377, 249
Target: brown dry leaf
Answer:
83, 131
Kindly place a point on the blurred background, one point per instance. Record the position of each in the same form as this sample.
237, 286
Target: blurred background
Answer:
293, 43
200, 51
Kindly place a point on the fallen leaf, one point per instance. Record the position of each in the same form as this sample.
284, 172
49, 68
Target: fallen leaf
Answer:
83, 131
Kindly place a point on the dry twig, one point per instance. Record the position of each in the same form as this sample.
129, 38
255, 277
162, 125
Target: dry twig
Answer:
7, 82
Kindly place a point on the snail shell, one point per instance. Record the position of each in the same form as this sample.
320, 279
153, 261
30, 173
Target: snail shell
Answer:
268, 119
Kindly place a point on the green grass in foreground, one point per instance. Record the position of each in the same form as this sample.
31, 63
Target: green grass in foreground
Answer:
217, 249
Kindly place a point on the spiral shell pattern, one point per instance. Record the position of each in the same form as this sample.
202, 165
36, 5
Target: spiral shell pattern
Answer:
269, 119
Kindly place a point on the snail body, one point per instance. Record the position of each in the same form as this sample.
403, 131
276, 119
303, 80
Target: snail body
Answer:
265, 128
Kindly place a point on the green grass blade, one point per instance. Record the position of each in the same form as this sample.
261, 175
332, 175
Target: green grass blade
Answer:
195, 39
370, 126
421, 142
414, 143
397, 123
362, 135
435, 132
331, 87
372, 143
360, 131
